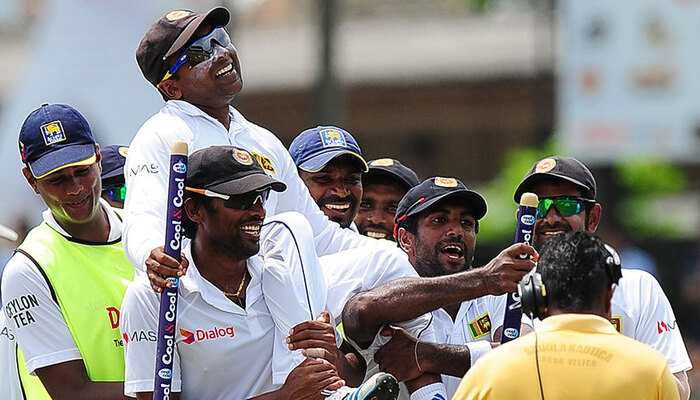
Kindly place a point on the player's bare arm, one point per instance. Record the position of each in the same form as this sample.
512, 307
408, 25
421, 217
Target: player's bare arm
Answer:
404, 299
69, 380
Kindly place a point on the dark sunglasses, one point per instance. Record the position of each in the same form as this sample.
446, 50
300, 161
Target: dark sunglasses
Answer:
116, 192
201, 50
239, 202
566, 206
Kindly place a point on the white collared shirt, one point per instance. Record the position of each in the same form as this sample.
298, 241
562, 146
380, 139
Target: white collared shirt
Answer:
469, 326
221, 350
146, 173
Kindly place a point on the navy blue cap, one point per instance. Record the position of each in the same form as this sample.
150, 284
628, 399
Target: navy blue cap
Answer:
113, 159
564, 168
55, 136
434, 189
316, 147
393, 169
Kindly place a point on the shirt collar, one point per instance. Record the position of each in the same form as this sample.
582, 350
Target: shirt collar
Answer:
589, 323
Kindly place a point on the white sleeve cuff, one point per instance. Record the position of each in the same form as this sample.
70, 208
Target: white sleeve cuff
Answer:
478, 349
434, 391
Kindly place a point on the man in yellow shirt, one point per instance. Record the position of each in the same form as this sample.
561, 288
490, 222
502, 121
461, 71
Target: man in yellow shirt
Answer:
575, 353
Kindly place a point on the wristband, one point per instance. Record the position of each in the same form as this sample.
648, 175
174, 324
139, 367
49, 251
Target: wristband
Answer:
478, 349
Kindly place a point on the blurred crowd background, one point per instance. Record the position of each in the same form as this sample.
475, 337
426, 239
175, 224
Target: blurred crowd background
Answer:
476, 89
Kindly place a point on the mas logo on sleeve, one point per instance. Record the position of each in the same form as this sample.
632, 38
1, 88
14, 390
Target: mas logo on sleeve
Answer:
480, 327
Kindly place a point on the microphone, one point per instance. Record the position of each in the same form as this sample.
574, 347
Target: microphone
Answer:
527, 215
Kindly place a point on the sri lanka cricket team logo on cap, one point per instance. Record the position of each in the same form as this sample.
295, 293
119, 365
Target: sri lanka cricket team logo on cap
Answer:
545, 165
53, 132
382, 162
332, 138
123, 151
243, 157
445, 182
175, 15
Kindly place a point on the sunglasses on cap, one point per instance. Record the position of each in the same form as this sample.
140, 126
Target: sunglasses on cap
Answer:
116, 192
201, 50
238, 202
566, 206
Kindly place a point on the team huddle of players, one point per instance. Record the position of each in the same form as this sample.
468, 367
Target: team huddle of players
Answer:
307, 272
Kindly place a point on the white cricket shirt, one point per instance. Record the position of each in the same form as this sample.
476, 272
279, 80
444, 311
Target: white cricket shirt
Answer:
221, 350
146, 173
10, 386
641, 310
477, 319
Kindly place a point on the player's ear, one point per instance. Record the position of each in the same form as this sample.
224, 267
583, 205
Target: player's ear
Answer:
594, 217
30, 179
170, 89
406, 240
194, 209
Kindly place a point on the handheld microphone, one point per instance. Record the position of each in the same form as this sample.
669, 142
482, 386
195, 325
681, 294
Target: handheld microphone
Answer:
527, 215
168, 298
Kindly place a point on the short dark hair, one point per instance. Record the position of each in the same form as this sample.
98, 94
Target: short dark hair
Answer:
574, 271
189, 227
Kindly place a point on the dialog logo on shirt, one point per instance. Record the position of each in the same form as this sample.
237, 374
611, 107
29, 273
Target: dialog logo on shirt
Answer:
210, 334
480, 327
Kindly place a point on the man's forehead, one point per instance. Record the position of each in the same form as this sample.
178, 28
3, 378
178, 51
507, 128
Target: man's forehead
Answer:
550, 186
451, 205
343, 162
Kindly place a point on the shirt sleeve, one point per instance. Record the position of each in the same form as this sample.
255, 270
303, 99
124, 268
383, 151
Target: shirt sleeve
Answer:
657, 325
34, 316
139, 328
10, 387
146, 173
668, 390
292, 283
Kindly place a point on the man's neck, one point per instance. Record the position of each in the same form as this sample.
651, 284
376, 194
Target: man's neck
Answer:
220, 114
221, 268
96, 230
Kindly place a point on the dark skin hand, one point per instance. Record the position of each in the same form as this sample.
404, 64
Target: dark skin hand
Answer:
317, 340
397, 356
160, 266
69, 380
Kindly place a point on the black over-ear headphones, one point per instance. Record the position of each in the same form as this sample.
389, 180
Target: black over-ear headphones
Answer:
533, 295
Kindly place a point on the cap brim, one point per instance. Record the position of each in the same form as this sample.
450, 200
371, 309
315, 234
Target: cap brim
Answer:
249, 183
474, 199
319, 161
218, 15
70, 156
387, 172
533, 179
